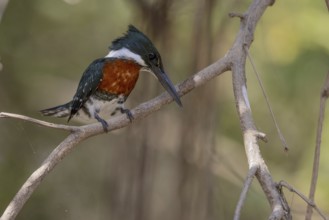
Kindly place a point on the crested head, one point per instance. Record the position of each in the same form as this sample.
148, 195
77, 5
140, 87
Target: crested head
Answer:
136, 46
131, 39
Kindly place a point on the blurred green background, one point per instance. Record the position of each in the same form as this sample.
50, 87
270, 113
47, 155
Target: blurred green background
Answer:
178, 163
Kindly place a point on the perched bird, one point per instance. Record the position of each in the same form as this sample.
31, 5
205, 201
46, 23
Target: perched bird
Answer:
107, 82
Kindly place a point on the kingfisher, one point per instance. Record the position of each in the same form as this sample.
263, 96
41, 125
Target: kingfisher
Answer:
107, 82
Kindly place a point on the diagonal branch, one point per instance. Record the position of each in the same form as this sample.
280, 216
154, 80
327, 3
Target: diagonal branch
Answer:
243, 195
83, 132
303, 197
39, 174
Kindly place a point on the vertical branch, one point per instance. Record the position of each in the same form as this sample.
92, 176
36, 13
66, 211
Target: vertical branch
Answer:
251, 136
323, 98
250, 133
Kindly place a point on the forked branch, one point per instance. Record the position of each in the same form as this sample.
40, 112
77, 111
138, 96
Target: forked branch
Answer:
303, 197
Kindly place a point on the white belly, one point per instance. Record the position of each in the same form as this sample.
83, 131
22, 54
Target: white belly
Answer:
103, 108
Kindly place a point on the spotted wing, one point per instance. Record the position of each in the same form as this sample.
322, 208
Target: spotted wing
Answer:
87, 86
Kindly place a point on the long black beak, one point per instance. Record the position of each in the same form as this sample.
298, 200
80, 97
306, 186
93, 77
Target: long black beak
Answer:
166, 83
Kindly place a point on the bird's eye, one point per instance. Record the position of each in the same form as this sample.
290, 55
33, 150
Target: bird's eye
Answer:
152, 56
154, 59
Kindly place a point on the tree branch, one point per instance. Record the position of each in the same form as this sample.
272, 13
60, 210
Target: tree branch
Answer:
38, 122
83, 132
303, 197
243, 195
323, 98
234, 60
250, 133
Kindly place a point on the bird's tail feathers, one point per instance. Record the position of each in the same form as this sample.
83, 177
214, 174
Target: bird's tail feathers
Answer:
58, 111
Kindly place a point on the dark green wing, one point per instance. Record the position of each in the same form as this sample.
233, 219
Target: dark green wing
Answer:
88, 84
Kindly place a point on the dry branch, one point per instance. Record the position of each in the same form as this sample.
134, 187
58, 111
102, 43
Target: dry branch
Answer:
243, 195
38, 122
303, 197
323, 98
83, 132
250, 133
234, 60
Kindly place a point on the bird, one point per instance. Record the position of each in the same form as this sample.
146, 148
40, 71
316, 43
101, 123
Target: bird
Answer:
107, 82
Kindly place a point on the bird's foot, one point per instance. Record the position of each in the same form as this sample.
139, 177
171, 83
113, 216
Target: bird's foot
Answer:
128, 113
103, 122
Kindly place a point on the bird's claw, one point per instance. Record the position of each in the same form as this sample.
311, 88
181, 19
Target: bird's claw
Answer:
103, 122
128, 113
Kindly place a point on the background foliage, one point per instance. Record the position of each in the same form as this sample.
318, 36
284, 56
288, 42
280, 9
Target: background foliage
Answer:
178, 163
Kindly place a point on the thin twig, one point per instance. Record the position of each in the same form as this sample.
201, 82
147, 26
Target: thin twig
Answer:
39, 122
327, 3
247, 183
316, 160
283, 140
303, 197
